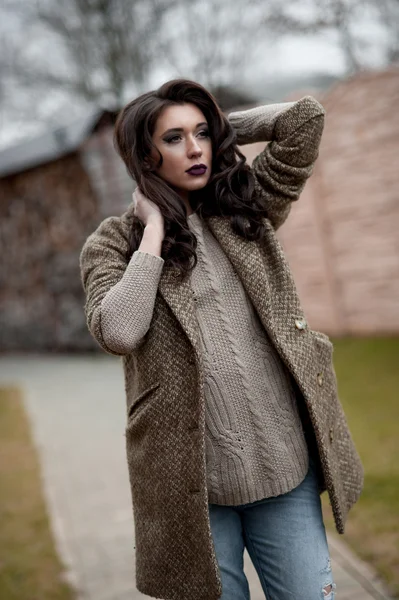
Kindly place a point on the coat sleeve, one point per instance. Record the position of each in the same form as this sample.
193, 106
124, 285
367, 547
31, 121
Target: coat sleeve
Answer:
120, 294
293, 130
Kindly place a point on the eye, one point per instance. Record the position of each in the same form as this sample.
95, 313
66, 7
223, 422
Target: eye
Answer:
173, 139
204, 133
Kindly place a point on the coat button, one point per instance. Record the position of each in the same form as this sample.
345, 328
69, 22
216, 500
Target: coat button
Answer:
331, 434
300, 323
320, 379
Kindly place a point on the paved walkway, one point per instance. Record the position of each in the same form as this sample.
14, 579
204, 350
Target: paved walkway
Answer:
76, 406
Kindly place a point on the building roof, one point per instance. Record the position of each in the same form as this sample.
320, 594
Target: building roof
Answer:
50, 145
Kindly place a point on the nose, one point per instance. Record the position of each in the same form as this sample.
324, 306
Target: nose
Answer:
193, 148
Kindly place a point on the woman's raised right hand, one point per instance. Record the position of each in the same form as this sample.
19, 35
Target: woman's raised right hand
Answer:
145, 209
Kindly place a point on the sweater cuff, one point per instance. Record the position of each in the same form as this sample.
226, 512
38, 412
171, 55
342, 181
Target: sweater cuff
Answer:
257, 124
148, 261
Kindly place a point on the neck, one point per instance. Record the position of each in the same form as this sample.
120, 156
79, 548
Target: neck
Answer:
184, 195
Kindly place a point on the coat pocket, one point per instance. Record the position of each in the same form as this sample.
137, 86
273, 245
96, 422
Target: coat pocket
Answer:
140, 401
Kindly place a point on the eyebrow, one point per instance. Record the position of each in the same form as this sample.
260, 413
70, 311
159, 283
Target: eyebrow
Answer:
180, 129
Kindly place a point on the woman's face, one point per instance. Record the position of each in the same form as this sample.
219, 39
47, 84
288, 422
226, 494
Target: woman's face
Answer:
182, 137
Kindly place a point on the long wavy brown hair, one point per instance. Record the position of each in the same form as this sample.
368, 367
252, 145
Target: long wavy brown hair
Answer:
228, 193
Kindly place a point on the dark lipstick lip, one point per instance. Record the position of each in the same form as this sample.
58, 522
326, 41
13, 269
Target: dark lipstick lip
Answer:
197, 168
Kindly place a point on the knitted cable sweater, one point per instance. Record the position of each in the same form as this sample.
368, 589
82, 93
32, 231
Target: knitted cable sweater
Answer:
255, 446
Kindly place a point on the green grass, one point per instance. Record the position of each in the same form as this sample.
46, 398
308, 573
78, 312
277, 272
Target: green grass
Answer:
29, 566
368, 383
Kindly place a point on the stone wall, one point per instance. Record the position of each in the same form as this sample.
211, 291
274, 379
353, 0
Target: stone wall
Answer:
44, 216
341, 237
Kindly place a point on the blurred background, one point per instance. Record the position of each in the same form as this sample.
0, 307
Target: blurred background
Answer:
66, 70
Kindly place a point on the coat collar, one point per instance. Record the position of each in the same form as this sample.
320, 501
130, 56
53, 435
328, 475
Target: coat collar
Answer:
247, 259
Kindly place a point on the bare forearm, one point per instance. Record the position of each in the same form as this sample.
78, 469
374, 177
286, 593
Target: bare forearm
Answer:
153, 237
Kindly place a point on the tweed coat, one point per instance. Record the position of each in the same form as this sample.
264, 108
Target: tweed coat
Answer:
165, 404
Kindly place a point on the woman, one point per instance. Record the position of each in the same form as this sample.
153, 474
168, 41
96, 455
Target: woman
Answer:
234, 427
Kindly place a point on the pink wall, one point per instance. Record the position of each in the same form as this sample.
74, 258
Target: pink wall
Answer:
342, 237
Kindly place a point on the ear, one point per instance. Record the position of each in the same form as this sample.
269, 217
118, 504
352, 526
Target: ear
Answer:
148, 165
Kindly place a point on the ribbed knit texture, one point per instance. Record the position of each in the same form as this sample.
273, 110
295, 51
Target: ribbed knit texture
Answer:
257, 124
255, 446
126, 310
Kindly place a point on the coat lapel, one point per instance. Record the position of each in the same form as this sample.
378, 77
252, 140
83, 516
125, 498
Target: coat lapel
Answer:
247, 260
178, 295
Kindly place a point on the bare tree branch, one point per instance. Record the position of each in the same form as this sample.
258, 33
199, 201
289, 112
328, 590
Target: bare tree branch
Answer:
211, 40
102, 45
341, 17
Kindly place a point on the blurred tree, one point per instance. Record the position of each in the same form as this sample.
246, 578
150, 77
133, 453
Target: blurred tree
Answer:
55, 54
389, 13
310, 17
95, 49
90, 48
212, 41
103, 51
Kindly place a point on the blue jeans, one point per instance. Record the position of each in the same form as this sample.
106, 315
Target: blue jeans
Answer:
286, 540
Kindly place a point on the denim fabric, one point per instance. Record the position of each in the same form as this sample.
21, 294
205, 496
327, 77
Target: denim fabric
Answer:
286, 540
